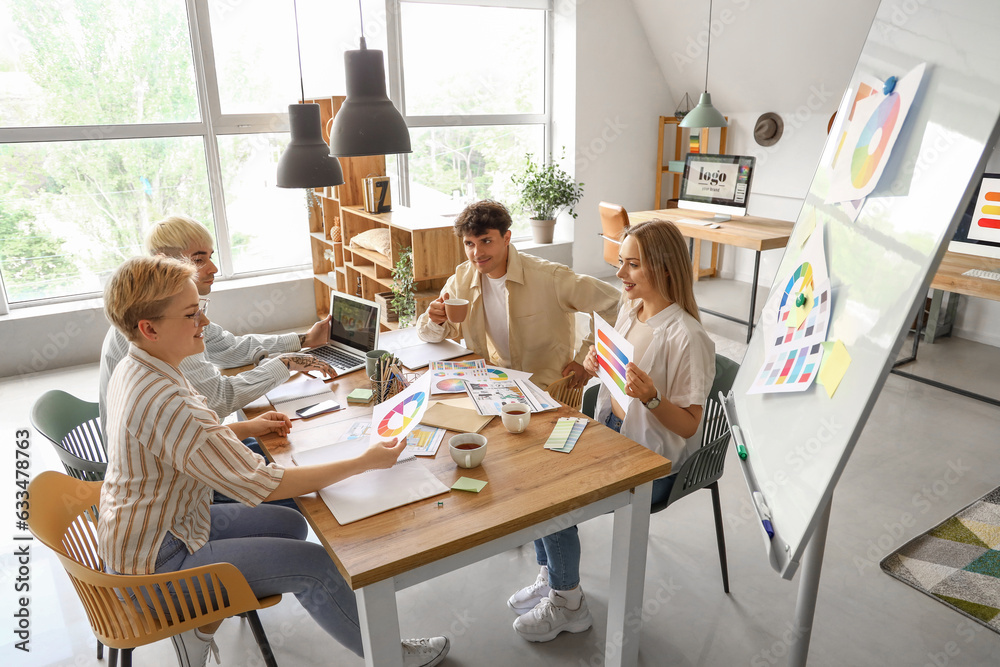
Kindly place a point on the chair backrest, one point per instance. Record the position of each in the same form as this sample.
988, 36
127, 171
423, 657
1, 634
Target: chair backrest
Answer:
74, 428
614, 219
63, 517
589, 407
564, 393
707, 464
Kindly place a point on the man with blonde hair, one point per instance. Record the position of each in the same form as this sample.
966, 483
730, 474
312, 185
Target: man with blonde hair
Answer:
275, 357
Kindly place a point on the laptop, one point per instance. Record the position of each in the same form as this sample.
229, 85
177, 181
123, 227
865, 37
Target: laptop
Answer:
353, 332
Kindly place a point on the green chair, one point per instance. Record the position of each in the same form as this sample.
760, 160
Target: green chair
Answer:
74, 428
702, 469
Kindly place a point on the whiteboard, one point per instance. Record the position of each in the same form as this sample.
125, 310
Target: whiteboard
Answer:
881, 264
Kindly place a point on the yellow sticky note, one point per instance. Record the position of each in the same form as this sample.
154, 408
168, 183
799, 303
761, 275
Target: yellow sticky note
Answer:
798, 314
835, 363
808, 225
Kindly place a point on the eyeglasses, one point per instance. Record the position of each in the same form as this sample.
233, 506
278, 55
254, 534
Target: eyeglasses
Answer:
196, 317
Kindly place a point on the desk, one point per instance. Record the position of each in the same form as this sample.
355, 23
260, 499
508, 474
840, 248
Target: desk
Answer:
532, 492
949, 278
757, 234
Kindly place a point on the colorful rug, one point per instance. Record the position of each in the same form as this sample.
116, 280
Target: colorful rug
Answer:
957, 562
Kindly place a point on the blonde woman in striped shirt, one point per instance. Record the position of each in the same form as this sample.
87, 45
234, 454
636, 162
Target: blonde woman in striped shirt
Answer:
167, 452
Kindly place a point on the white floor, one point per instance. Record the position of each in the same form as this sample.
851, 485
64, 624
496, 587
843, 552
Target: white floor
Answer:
915, 436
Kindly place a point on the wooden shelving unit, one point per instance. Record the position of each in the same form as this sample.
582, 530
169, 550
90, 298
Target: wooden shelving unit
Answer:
339, 213
681, 141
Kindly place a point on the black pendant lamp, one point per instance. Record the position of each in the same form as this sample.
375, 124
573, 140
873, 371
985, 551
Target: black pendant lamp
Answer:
306, 162
367, 123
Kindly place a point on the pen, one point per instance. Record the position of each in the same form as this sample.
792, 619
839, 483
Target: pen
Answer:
741, 449
765, 513
319, 378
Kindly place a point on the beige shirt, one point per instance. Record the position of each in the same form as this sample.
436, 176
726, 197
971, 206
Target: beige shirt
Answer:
542, 298
166, 452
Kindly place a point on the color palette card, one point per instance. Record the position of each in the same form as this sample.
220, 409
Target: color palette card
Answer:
565, 434
613, 355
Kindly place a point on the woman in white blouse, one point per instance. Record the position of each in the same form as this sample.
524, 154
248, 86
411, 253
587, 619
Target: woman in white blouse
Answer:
167, 451
670, 382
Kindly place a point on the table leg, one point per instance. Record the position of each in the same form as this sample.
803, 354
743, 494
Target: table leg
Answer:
753, 294
379, 624
628, 576
930, 331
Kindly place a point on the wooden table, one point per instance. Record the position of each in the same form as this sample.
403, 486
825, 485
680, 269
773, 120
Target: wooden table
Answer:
532, 492
753, 233
949, 278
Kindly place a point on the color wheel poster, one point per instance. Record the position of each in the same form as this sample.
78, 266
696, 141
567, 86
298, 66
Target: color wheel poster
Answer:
397, 416
985, 225
613, 354
793, 342
870, 139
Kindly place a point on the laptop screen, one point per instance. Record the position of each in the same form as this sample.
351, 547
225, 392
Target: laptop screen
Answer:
354, 322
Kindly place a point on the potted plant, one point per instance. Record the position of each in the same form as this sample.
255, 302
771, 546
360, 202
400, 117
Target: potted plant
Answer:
544, 191
404, 301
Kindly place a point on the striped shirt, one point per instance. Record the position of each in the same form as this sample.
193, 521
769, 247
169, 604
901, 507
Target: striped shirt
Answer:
166, 453
225, 394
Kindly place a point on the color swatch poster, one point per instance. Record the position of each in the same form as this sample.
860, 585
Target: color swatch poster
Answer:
397, 416
985, 225
613, 354
871, 136
788, 371
466, 370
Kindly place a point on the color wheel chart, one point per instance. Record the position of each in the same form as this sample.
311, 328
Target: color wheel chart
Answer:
398, 415
449, 385
985, 224
874, 139
497, 374
793, 370
613, 354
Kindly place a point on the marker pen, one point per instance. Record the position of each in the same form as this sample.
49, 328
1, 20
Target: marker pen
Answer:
741, 449
765, 513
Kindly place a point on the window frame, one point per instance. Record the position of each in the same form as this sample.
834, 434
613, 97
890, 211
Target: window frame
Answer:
213, 124
394, 41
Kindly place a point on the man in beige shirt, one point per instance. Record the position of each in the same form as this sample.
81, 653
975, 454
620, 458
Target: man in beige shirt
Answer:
521, 308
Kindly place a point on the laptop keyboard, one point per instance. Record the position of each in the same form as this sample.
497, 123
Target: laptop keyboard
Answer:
336, 358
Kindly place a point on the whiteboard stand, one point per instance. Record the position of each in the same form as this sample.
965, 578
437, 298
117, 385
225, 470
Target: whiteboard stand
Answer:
805, 604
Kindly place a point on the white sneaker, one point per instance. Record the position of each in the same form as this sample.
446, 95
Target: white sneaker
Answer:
528, 597
192, 650
424, 652
551, 617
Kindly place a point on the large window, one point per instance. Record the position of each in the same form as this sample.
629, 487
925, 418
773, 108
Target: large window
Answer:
117, 113
474, 93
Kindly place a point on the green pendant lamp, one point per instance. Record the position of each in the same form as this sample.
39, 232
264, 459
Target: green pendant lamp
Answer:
306, 162
367, 123
705, 115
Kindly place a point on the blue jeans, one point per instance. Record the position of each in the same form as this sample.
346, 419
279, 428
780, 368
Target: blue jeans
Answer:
266, 543
560, 552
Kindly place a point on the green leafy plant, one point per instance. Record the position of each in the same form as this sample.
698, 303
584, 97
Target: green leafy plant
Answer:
404, 301
546, 189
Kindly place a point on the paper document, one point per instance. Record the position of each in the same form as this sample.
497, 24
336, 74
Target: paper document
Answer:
299, 392
374, 491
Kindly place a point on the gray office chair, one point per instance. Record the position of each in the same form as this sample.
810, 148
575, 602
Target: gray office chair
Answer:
702, 469
73, 426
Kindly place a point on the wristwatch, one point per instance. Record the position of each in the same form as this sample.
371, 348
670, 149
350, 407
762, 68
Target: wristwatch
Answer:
654, 402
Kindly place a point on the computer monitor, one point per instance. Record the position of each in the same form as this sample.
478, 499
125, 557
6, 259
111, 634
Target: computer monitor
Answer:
978, 231
718, 184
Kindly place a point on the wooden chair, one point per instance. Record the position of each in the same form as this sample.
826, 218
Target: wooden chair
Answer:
73, 427
614, 220
63, 517
564, 393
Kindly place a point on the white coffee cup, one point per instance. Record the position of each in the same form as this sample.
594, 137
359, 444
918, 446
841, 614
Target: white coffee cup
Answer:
467, 449
515, 417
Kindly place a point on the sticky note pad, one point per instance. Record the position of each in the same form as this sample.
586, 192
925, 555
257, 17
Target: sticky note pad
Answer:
360, 395
468, 484
835, 363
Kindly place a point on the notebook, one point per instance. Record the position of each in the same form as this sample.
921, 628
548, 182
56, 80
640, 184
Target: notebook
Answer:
353, 332
374, 491
299, 392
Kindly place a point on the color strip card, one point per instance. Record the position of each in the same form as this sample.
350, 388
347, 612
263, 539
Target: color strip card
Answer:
398, 415
563, 440
788, 371
613, 354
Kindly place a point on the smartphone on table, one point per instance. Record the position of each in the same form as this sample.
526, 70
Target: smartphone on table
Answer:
317, 409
